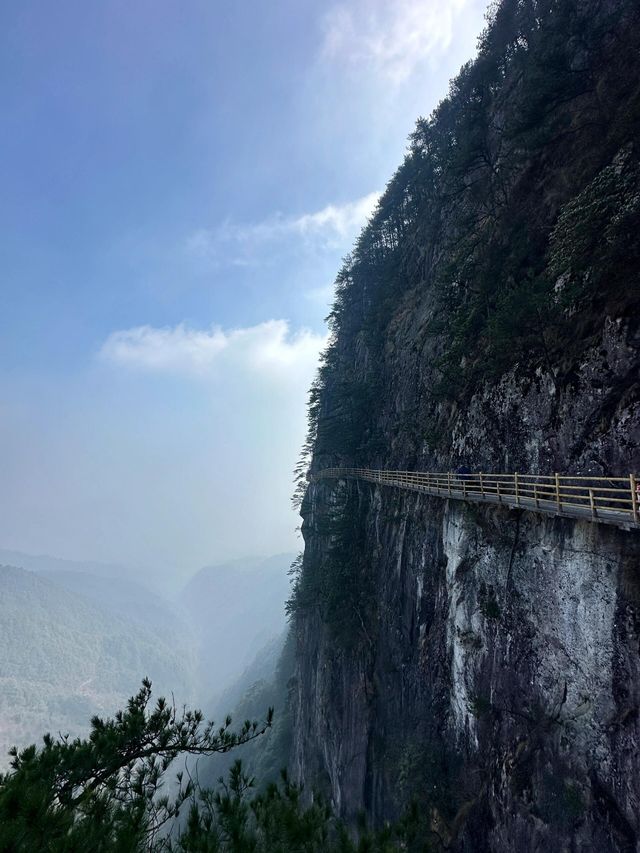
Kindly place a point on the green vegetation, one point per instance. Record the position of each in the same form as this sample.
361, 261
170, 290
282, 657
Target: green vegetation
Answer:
489, 606
103, 793
479, 706
561, 800
514, 219
110, 793
337, 579
598, 232
65, 657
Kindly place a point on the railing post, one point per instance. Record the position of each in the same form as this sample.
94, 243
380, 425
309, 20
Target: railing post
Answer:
634, 497
535, 495
515, 479
481, 484
449, 480
593, 504
558, 502
498, 489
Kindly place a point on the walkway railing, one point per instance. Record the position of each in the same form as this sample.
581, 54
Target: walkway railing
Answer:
609, 500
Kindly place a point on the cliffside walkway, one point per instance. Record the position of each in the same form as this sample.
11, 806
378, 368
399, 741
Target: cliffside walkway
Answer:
607, 500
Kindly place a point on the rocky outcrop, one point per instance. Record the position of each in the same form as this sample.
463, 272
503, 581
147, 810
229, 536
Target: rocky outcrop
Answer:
480, 660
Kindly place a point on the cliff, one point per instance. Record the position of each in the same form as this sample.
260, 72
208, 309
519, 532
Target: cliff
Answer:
483, 661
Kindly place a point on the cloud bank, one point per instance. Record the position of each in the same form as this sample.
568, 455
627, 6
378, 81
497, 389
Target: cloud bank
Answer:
332, 227
270, 350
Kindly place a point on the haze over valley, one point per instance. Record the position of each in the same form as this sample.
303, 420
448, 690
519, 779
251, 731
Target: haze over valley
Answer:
78, 638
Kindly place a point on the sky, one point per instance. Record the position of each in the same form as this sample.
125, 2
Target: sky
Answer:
180, 180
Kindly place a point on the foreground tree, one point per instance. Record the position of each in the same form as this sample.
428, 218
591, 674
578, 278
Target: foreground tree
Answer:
110, 792
105, 792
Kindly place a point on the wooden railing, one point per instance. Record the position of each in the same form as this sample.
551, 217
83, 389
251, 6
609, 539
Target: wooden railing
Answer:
609, 500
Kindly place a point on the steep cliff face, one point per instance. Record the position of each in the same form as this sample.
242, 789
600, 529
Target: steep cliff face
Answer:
480, 660
499, 683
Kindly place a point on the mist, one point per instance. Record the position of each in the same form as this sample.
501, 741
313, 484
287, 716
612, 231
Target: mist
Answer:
160, 472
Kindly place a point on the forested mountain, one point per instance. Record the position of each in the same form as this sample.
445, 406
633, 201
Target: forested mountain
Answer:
79, 642
481, 660
67, 655
126, 598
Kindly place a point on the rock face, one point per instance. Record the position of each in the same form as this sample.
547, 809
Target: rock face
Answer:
500, 682
485, 661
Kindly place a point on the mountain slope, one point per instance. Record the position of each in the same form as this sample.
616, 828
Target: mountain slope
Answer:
124, 598
65, 659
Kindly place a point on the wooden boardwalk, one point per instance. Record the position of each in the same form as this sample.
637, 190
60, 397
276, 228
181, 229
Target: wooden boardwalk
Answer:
606, 500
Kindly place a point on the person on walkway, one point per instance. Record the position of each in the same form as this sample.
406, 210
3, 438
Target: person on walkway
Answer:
463, 473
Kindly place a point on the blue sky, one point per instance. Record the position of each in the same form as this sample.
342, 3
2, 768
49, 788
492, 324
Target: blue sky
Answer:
179, 183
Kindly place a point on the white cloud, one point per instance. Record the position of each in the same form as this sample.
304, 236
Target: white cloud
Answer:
269, 350
341, 222
175, 349
333, 227
391, 39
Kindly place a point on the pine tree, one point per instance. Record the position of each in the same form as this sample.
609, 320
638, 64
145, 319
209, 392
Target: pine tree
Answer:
105, 793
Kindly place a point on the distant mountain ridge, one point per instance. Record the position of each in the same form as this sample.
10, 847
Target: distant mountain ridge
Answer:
76, 638
45, 563
66, 656
124, 597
